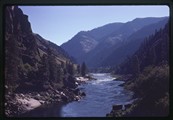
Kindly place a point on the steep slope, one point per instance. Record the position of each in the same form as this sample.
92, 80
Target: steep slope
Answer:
149, 66
29, 50
132, 26
154, 50
86, 41
34, 67
96, 45
105, 30
132, 44
79, 45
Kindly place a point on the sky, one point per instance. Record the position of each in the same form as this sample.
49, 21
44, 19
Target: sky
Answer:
60, 23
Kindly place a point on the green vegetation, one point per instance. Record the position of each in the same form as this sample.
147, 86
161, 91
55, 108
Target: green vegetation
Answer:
153, 80
83, 69
149, 69
34, 67
31, 62
152, 85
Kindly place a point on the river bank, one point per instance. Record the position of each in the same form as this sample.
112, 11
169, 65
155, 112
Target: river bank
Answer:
68, 103
20, 103
101, 94
151, 88
123, 109
122, 77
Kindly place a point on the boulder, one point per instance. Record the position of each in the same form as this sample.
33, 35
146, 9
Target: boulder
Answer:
83, 94
64, 98
128, 105
117, 107
76, 91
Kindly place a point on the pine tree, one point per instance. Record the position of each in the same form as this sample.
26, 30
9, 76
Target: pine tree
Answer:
70, 68
83, 69
136, 65
78, 69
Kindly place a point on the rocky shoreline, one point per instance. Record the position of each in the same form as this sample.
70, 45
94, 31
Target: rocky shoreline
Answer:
123, 110
122, 77
20, 103
151, 93
37, 71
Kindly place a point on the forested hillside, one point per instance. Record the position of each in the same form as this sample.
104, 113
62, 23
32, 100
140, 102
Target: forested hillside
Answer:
109, 45
149, 68
34, 67
132, 44
121, 64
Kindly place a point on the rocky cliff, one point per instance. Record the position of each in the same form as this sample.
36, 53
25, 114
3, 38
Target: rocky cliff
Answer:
35, 69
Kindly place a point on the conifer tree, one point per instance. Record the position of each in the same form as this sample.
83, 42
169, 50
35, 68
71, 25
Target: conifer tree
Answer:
136, 65
83, 69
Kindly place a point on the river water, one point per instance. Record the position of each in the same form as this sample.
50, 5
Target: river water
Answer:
101, 94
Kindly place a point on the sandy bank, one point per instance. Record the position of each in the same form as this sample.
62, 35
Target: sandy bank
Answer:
29, 103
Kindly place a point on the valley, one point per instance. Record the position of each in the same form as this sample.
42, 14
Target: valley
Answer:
122, 40
104, 91
119, 69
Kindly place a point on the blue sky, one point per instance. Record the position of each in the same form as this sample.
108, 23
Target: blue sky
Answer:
60, 23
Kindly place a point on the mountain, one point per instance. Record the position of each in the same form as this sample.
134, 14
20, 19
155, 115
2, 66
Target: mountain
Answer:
35, 68
132, 44
85, 41
26, 51
79, 45
99, 47
154, 50
105, 30
150, 71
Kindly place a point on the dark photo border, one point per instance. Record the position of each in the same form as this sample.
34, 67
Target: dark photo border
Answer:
4, 3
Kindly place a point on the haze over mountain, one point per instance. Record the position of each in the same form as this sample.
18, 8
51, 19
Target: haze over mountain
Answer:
110, 44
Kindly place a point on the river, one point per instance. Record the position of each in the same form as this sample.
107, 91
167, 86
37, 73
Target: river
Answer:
101, 94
